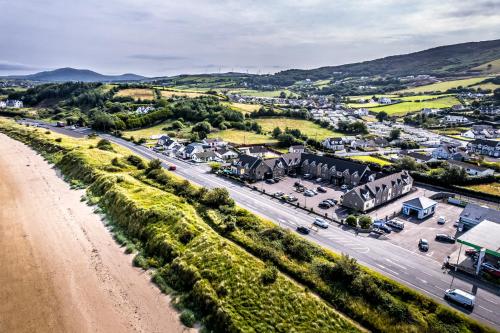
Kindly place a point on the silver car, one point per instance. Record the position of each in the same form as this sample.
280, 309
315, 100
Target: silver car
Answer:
321, 223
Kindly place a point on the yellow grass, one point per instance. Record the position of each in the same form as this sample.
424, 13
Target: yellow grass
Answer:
492, 188
445, 85
242, 107
489, 85
312, 130
371, 159
495, 67
242, 137
170, 93
137, 93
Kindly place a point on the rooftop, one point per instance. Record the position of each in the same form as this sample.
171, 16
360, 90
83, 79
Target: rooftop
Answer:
485, 235
420, 202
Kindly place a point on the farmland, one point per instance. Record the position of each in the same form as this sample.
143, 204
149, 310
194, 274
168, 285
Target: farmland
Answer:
147, 132
401, 109
445, 85
242, 107
170, 93
242, 137
261, 93
491, 188
306, 127
371, 159
137, 93
489, 67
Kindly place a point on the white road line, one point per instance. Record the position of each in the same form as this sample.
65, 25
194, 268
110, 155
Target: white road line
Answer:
437, 287
396, 264
422, 280
482, 307
489, 300
388, 269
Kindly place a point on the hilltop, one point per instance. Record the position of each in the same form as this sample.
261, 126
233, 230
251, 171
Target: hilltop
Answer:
72, 74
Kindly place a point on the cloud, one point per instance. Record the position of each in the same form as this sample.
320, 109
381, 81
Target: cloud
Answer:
157, 57
11, 66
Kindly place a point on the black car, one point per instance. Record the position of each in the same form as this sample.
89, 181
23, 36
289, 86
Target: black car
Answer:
270, 181
324, 205
423, 245
445, 238
303, 230
321, 189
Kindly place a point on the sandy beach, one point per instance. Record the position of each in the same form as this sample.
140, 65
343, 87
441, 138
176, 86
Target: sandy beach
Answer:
61, 271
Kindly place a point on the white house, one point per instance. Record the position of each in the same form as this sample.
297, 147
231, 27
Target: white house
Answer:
205, 156
214, 143
162, 140
456, 119
296, 149
13, 103
471, 169
468, 134
443, 152
3, 104
191, 149
420, 207
384, 100
226, 154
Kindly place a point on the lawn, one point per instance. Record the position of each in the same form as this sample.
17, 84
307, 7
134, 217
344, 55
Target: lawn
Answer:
401, 109
421, 97
445, 85
371, 159
312, 130
137, 93
147, 132
491, 188
242, 137
242, 107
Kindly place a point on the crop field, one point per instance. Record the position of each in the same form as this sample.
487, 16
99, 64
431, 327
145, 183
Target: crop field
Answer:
401, 109
445, 85
371, 159
242, 137
306, 127
185, 93
137, 93
242, 107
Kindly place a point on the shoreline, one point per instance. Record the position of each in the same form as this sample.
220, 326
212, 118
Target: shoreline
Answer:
62, 270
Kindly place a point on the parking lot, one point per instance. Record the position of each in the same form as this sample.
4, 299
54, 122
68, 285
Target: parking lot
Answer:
286, 185
427, 229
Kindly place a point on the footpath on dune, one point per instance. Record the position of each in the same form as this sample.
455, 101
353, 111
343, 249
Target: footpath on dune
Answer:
61, 269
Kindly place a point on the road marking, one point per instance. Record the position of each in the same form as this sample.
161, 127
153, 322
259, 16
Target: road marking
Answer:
396, 264
422, 280
388, 269
482, 307
491, 301
437, 287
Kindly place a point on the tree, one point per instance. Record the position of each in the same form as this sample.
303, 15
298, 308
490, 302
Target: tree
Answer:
352, 221
365, 222
395, 133
407, 163
282, 94
382, 115
202, 129
153, 165
217, 197
276, 132
215, 166
177, 125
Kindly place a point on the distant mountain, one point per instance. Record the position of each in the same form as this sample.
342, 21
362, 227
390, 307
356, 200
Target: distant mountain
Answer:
449, 60
72, 74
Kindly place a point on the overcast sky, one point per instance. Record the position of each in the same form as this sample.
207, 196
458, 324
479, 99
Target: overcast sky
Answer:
164, 37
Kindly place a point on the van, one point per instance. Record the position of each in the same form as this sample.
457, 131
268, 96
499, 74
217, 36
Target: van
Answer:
460, 297
396, 224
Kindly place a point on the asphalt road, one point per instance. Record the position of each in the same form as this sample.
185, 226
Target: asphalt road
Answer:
418, 271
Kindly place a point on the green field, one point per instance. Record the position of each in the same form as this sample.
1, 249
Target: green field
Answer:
443, 86
242, 107
242, 137
147, 132
312, 130
371, 159
489, 85
401, 109
491, 188
259, 93
421, 97
494, 68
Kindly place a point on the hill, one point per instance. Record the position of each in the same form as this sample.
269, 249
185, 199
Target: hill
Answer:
72, 74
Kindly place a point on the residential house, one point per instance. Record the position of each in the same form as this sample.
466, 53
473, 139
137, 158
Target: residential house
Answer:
256, 151
3, 104
468, 134
13, 103
297, 149
419, 157
335, 170
430, 112
457, 107
443, 152
377, 192
213, 143
381, 142
162, 140
489, 111
485, 147
420, 207
251, 167
363, 144
474, 214
226, 154
144, 109
471, 169
449, 119
206, 156
191, 149
334, 144
384, 100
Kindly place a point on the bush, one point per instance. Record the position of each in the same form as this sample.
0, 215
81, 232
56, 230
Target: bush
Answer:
58, 139
352, 221
188, 318
136, 161
269, 275
153, 165
365, 222
104, 144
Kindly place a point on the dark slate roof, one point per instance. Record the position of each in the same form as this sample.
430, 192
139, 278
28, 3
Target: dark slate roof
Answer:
467, 165
190, 147
257, 150
298, 147
483, 142
419, 156
340, 165
479, 213
291, 159
273, 162
248, 162
420, 202
371, 188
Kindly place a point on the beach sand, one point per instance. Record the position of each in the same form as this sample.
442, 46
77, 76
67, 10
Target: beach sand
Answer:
61, 271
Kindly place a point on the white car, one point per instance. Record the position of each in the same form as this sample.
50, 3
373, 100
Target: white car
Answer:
343, 187
321, 223
461, 297
441, 220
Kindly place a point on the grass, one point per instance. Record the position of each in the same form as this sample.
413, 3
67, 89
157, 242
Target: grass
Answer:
445, 85
306, 127
492, 188
137, 93
147, 132
421, 97
242, 137
489, 85
371, 159
242, 107
403, 108
171, 93
494, 68
261, 93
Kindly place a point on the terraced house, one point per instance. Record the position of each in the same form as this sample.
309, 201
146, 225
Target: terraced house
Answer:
377, 192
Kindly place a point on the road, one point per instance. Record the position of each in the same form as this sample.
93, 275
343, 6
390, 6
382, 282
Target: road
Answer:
417, 271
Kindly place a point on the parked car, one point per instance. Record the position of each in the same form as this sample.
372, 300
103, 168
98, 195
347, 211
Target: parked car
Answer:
445, 238
423, 244
303, 230
278, 194
396, 224
490, 269
471, 252
343, 187
291, 198
321, 223
270, 181
460, 297
441, 220
321, 189
331, 202
319, 179
324, 205
382, 226
172, 167
309, 193
298, 184
307, 176
277, 179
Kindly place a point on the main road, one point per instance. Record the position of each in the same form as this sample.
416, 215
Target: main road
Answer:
415, 270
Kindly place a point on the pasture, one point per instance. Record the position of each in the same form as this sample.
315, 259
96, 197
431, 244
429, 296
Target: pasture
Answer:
445, 85
261, 93
171, 93
137, 93
403, 108
371, 159
242, 137
147, 132
242, 107
312, 130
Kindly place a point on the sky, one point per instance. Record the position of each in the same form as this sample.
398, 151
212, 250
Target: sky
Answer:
164, 37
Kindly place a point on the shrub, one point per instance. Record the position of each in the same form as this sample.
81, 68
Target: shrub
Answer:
188, 318
217, 197
365, 222
153, 165
352, 221
269, 275
58, 139
104, 144
140, 261
136, 161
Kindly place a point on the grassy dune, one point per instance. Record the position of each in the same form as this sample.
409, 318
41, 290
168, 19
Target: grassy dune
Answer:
239, 273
